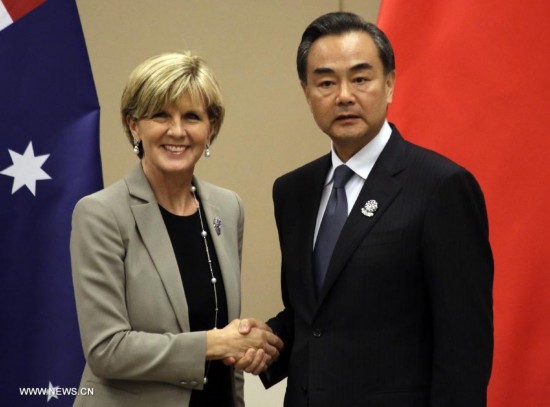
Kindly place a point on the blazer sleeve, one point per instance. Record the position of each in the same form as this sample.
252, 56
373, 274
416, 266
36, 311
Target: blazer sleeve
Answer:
459, 272
113, 350
239, 376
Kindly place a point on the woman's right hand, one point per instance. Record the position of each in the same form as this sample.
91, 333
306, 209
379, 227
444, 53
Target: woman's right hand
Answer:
249, 344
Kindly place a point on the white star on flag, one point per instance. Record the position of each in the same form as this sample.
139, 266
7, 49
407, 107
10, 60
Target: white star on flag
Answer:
26, 169
52, 392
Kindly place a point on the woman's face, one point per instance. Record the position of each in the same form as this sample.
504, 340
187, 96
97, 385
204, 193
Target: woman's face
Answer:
174, 139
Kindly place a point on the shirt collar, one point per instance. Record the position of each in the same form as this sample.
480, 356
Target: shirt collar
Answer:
362, 162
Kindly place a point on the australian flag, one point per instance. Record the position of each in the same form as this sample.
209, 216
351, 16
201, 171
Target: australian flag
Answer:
49, 158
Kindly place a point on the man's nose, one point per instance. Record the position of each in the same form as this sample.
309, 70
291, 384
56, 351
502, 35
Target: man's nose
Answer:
345, 94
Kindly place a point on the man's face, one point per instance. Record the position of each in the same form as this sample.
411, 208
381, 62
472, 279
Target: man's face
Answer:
347, 90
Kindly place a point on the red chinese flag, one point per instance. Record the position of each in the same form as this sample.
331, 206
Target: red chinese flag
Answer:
473, 82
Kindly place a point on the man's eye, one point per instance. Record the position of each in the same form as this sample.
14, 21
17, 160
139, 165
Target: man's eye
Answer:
326, 84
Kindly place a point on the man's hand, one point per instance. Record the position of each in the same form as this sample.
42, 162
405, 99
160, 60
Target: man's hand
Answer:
256, 360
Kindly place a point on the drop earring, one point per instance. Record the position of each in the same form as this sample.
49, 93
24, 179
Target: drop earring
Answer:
136, 146
207, 153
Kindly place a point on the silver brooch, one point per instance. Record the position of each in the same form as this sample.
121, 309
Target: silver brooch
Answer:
218, 225
370, 207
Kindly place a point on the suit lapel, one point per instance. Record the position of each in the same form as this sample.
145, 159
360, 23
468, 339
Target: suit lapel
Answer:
381, 186
229, 270
157, 242
310, 196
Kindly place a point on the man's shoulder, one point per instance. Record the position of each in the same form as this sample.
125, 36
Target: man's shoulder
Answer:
307, 172
421, 158
430, 161
430, 168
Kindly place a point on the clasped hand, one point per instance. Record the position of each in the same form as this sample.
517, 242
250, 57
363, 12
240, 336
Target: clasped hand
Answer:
247, 344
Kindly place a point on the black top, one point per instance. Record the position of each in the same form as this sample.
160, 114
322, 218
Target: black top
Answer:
188, 244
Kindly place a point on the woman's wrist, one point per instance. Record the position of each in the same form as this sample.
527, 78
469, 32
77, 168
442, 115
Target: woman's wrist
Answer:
216, 345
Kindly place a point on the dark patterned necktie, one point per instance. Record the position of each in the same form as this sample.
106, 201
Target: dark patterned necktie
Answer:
333, 220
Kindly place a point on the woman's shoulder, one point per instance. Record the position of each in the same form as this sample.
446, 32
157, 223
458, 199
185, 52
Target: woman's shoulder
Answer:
110, 202
108, 195
211, 191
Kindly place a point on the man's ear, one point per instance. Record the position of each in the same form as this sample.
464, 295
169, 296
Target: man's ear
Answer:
390, 86
305, 89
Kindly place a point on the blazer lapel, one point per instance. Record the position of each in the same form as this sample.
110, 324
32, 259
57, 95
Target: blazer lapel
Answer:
229, 270
380, 186
155, 237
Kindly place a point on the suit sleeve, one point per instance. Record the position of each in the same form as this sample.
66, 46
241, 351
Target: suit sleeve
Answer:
240, 225
283, 323
112, 348
459, 270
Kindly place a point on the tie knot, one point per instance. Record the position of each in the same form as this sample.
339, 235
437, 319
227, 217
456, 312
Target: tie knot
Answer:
342, 174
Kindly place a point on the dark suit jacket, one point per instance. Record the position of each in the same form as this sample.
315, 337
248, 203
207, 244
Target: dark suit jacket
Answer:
405, 315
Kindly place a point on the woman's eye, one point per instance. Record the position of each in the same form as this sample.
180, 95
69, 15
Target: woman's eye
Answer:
159, 115
192, 116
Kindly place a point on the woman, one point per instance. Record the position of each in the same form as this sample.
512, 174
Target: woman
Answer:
156, 256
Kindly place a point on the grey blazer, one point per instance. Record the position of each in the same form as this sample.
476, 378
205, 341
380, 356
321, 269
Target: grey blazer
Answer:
131, 305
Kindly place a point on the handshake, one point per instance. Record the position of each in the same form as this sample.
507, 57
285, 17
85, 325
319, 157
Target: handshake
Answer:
247, 344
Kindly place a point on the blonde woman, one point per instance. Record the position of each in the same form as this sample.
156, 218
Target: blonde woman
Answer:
156, 256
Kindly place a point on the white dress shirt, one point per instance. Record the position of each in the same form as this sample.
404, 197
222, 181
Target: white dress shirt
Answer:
361, 164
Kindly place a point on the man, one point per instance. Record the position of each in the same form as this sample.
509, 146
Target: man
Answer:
396, 309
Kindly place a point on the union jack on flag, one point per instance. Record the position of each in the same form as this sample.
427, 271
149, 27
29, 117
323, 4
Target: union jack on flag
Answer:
13, 10
49, 159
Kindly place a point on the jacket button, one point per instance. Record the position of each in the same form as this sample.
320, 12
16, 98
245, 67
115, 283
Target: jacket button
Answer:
304, 389
317, 333
191, 383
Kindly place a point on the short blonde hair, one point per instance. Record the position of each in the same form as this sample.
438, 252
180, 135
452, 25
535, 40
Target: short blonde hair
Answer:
162, 80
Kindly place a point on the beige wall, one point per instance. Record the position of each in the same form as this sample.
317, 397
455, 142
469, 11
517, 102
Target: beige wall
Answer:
268, 131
